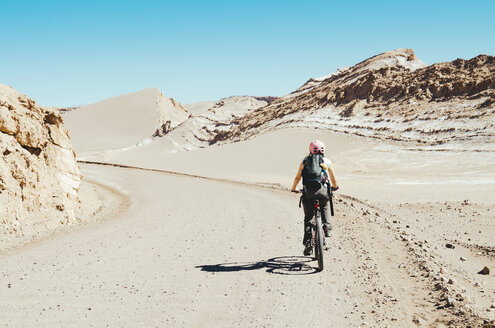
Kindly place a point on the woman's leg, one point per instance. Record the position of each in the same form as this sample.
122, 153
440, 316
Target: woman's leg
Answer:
323, 198
308, 215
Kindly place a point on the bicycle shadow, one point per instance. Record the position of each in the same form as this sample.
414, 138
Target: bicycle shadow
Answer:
284, 265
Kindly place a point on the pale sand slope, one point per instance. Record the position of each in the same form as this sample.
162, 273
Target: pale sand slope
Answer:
122, 122
199, 107
368, 169
229, 106
191, 252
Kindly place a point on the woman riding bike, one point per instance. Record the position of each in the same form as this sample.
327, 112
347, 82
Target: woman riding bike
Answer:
315, 191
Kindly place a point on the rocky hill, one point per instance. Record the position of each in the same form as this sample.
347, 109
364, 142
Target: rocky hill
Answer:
389, 96
39, 176
209, 117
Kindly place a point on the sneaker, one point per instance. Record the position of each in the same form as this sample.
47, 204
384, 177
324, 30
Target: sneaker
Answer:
308, 250
326, 232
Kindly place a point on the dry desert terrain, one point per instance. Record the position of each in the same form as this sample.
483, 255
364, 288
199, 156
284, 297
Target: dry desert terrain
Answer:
186, 220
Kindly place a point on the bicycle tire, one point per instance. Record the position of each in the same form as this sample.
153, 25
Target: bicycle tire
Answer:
330, 196
315, 242
319, 243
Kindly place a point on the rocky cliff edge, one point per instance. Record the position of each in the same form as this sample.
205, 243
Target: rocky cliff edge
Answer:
39, 175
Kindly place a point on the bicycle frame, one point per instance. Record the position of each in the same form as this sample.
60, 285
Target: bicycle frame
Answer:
318, 235
317, 214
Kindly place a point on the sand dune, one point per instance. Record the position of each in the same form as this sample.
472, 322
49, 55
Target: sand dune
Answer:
123, 121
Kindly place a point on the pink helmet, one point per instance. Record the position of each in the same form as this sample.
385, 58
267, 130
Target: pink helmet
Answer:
317, 146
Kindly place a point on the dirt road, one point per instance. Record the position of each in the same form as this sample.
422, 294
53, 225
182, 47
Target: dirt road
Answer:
190, 252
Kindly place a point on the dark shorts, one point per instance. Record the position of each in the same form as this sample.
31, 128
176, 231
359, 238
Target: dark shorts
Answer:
320, 194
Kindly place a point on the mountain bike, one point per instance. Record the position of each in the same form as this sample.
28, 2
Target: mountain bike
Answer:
318, 237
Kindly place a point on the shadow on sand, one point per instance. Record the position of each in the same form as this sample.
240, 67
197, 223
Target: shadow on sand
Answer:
285, 265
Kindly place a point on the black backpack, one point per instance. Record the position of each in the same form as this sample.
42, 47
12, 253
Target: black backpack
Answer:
314, 176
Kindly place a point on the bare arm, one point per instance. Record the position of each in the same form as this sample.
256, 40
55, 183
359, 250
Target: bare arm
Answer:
332, 177
297, 178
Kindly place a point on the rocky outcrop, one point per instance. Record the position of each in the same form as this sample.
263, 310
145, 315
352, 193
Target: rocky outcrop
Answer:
211, 118
172, 114
392, 95
39, 176
438, 82
63, 110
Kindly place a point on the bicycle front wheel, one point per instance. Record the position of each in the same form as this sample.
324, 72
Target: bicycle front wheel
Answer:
319, 243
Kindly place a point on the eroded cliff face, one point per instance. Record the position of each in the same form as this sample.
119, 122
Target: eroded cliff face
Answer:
39, 175
389, 96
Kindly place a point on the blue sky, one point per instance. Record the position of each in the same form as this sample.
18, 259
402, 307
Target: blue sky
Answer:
64, 53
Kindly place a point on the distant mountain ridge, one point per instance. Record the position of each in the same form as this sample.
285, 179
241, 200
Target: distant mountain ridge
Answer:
390, 96
399, 58
386, 96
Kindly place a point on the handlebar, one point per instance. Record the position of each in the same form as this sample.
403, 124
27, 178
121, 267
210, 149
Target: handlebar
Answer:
300, 190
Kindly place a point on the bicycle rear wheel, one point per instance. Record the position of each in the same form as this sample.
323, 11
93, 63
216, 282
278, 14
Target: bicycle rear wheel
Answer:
319, 243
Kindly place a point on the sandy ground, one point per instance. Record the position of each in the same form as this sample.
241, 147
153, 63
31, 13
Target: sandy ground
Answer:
180, 251
231, 257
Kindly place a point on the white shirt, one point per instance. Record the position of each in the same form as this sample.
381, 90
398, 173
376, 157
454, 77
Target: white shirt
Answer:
328, 163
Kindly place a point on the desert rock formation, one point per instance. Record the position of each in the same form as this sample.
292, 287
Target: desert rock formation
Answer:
39, 176
211, 118
389, 96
